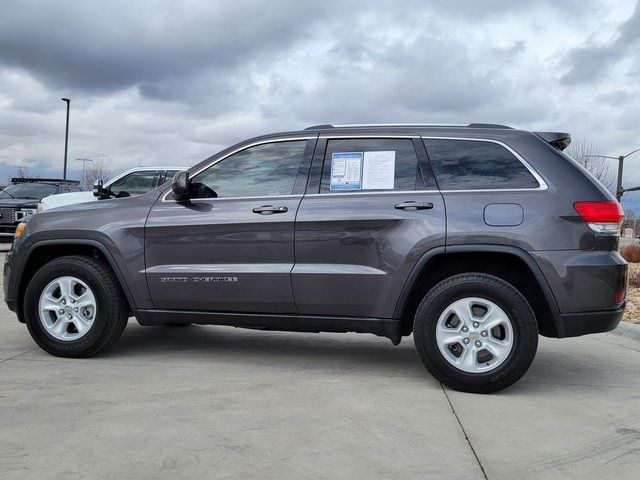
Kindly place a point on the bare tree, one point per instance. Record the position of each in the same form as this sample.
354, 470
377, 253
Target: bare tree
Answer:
586, 154
95, 171
23, 172
630, 214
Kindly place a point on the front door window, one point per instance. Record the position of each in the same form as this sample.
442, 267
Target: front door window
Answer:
267, 170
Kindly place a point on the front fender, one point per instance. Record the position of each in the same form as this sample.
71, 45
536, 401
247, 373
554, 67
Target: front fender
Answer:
20, 265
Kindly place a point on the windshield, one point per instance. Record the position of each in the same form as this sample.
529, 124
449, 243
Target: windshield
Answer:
135, 183
28, 190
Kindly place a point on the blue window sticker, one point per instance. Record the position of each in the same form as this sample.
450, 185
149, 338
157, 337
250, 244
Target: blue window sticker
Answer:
346, 171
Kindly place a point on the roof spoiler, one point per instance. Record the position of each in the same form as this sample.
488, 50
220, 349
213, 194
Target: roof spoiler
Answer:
555, 139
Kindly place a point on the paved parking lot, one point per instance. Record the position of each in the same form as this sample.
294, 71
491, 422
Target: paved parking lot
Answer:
219, 402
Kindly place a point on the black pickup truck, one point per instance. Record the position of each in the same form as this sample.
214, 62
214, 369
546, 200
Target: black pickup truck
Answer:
20, 199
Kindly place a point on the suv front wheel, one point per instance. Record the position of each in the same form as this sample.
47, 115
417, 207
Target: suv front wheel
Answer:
73, 307
475, 333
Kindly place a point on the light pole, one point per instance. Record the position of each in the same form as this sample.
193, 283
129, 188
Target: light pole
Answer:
84, 161
619, 188
66, 139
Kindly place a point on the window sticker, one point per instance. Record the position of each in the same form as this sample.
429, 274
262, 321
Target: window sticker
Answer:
378, 172
346, 171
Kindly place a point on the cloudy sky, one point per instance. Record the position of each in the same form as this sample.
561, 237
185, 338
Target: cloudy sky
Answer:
166, 82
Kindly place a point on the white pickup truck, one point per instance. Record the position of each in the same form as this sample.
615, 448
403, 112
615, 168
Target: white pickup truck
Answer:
135, 181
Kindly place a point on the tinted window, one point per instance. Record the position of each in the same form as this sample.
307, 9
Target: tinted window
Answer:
169, 174
135, 183
476, 165
28, 190
260, 171
402, 174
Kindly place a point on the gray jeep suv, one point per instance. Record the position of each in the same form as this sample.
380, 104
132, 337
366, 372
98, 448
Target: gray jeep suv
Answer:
475, 238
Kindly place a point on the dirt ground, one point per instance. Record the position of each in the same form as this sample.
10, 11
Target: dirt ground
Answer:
632, 313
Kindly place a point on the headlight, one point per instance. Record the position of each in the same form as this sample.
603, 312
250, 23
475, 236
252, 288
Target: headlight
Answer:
20, 215
20, 229
40, 207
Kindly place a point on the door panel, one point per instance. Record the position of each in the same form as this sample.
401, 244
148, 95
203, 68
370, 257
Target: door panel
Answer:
218, 255
231, 248
355, 252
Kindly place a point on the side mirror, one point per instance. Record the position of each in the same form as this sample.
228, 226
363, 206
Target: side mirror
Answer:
180, 187
98, 191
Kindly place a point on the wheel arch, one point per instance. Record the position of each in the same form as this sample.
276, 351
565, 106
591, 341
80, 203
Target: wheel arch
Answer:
44, 251
512, 264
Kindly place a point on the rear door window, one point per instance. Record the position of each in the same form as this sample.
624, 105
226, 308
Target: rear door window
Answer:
476, 165
371, 165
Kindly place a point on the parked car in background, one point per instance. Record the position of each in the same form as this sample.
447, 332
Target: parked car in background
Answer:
20, 199
135, 181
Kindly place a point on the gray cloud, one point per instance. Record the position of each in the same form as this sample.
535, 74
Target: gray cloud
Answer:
594, 61
172, 82
401, 81
106, 46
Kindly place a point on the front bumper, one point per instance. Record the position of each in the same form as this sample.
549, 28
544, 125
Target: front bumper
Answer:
7, 232
583, 323
6, 277
12, 266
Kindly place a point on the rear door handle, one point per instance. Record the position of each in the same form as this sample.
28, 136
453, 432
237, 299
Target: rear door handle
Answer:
270, 209
411, 205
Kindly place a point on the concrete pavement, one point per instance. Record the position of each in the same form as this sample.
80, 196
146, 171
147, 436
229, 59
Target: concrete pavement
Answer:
219, 402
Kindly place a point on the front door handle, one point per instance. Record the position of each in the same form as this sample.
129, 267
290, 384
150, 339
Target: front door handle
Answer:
411, 205
270, 209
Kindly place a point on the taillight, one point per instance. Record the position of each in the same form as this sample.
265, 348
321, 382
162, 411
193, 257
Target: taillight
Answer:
602, 217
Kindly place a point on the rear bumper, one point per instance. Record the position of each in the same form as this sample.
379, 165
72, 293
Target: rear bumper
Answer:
586, 285
583, 323
584, 280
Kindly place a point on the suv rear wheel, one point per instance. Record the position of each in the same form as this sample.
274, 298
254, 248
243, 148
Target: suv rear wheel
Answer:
74, 307
475, 333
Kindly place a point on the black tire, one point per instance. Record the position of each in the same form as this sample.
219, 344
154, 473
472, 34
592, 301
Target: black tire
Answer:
110, 317
496, 290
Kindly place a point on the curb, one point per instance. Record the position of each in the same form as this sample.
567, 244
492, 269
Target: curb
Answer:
629, 330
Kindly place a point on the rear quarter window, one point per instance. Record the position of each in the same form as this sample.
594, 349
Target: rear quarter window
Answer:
476, 165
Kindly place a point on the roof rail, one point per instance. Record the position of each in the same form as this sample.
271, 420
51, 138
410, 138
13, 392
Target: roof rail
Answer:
365, 125
319, 127
489, 125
